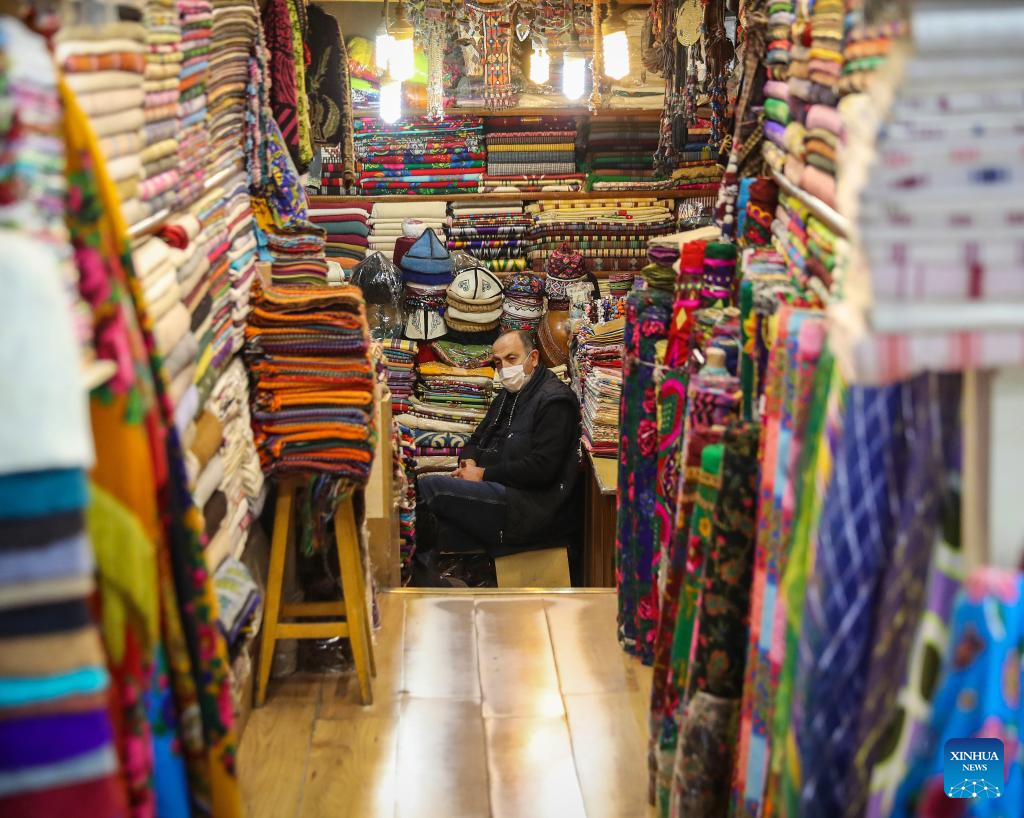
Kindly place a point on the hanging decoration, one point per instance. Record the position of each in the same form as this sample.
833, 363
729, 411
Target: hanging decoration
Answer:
597, 64
495, 25
435, 30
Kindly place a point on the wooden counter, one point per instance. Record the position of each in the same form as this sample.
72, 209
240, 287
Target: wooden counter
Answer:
599, 521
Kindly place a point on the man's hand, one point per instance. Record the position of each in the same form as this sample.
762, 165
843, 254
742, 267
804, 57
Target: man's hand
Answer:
472, 473
460, 471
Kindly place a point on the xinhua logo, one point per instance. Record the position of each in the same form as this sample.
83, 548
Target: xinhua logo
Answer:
974, 768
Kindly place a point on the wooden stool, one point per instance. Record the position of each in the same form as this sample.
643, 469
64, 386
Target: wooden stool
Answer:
546, 568
353, 622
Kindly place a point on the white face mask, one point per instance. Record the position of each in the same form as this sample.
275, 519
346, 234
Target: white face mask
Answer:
513, 377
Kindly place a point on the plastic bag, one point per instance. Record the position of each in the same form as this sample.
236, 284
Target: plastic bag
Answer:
381, 283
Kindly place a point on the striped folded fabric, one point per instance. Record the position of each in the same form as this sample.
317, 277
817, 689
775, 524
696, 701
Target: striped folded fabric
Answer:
307, 349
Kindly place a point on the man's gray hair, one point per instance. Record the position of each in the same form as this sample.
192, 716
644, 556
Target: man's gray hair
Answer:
528, 338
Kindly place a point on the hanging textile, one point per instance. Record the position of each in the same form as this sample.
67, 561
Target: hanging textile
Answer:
979, 696
330, 94
133, 426
647, 318
885, 496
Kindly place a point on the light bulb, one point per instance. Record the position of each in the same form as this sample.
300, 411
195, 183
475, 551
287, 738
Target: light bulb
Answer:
382, 46
540, 66
391, 101
403, 59
574, 74
616, 55
403, 55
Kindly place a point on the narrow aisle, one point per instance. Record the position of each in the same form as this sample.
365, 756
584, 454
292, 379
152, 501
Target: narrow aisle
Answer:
511, 706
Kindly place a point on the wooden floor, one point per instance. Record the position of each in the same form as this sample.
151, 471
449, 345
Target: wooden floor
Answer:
511, 706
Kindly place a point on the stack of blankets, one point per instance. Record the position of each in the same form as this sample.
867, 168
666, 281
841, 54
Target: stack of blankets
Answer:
620, 153
335, 174
454, 387
420, 156
213, 313
163, 293
495, 233
400, 370
597, 375
238, 497
387, 220
193, 138
241, 255
610, 234
780, 22
158, 190
529, 154
363, 74
347, 225
307, 349
105, 66
234, 32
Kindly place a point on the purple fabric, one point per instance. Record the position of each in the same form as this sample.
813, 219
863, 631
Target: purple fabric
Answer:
35, 741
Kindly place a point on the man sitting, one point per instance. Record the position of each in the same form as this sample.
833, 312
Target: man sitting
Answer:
514, 486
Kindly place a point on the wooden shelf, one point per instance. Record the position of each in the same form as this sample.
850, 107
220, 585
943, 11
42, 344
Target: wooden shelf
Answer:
558, 196
646, 114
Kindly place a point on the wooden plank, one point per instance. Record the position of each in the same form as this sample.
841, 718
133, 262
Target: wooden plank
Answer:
276, 745
606, 470
341, 692
560, 196
352, 769
531, 768
646, 114
442, 760
440, 656
517, 666
610, 753
587, 653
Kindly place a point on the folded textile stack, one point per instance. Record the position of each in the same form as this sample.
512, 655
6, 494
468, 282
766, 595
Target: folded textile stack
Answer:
620, 155
531, 153
426, 274
162, 295
234, 31
160, 145
454, 387
420, 156
596, 372
780, 21
336, 175
241, 254
523, 306
937, 213
400, 365
105, 65
388, 219
473, 309
611, 234
495, 233
193, 140
238, 604
238, 497
440, 430
822, 141
307, 349
756, 205
40, 184
347, 225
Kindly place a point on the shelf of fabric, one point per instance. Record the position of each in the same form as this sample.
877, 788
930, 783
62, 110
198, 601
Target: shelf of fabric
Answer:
653, 114
833, 220
523, 197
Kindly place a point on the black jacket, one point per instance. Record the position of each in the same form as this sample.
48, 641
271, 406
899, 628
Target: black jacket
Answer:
529, 442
